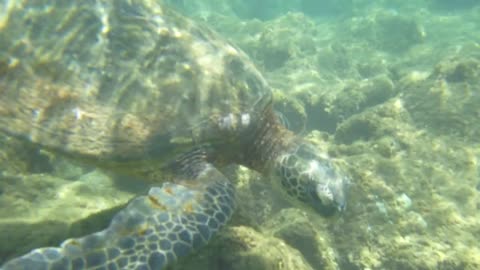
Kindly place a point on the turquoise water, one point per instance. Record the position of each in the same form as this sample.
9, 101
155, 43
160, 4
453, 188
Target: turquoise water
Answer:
389, 89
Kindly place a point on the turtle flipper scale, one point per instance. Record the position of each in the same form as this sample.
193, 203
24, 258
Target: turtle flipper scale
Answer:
150, 233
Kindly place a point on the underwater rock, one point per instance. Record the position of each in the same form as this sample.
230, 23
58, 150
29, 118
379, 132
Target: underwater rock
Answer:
387, 30
356, 97
336, 58
68, 169
298, 231
292, 111
388, 155
447, 100
279, 41
392, 145
459, 69
256, 196
397, 33
16, 158
239, 248
404, 201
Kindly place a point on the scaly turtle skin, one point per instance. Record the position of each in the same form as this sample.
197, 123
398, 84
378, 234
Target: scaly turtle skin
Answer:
130, 86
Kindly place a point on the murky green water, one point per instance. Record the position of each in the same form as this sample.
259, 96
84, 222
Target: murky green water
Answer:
390, 89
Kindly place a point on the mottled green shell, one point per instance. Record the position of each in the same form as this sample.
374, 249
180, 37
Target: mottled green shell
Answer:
116, 80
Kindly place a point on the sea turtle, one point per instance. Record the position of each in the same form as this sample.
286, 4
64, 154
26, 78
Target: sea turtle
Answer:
133, 87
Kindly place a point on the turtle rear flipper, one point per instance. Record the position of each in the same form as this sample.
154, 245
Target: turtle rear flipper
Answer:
150, 233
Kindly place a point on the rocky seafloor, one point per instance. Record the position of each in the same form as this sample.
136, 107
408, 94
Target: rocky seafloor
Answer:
391, 90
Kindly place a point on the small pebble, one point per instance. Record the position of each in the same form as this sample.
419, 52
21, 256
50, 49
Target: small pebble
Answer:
404, 201
382, 208
420, 221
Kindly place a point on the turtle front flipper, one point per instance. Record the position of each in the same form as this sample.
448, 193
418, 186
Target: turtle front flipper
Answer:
150, 233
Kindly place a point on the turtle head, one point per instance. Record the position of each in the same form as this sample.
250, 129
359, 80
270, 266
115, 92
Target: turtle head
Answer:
312, 178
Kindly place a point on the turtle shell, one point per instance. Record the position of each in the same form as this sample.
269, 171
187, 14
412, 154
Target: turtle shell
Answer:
117, 80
